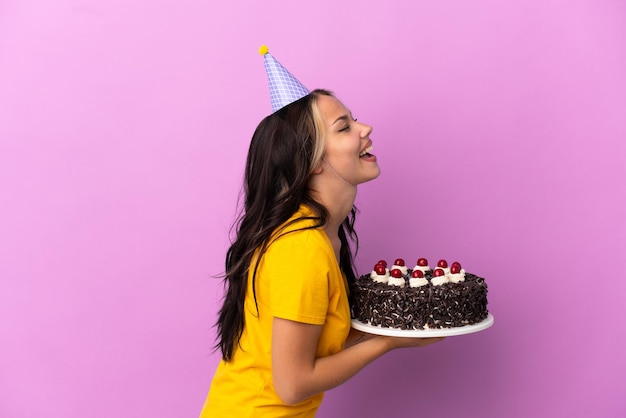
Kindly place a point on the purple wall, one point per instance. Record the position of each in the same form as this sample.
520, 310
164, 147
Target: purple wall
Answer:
500, 130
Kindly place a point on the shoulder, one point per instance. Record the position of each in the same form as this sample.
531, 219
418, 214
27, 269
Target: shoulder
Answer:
302, 233
302, 223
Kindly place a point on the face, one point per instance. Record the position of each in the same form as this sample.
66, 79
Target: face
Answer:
348, 143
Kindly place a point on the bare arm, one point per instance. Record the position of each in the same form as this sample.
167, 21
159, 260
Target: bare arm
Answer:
298, 374
356, 337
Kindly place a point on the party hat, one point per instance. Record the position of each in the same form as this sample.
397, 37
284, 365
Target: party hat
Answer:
284, 87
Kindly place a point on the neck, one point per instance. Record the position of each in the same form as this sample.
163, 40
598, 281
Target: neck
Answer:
338, 205
337, 213
337, 196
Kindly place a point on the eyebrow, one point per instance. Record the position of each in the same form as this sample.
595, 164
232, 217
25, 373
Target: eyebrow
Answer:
344, 117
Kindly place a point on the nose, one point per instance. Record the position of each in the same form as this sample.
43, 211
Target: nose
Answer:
366, 130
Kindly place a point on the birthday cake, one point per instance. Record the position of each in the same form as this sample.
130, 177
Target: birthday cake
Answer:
419, 298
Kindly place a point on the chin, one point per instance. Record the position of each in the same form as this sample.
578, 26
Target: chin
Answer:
374, 176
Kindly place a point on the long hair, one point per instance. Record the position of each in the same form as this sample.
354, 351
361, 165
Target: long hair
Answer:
285, 149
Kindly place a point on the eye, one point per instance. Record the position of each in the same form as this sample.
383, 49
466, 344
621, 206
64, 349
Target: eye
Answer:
347, 127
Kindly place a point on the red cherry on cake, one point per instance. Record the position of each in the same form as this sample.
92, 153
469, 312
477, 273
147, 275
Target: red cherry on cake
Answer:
456, 268
417, 274
383, 262
396, 273
442, 263
380, 269
399, 262
422, 262
438, 272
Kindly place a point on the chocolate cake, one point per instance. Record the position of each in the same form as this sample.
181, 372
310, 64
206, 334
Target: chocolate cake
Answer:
453, 299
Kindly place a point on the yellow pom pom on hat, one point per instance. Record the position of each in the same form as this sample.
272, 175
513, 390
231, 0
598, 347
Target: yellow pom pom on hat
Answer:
284, 87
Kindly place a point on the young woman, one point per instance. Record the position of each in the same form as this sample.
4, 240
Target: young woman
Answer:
284, 328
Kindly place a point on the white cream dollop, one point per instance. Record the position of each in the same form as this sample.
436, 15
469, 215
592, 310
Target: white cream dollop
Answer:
423, 269
439, 280
403, 269
458, 277
396, 281
380, 278
418, 281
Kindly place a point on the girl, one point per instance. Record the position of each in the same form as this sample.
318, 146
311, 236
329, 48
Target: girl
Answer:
284, 328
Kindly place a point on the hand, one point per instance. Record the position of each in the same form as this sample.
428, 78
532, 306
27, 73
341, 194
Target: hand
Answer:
357, 337
403, 342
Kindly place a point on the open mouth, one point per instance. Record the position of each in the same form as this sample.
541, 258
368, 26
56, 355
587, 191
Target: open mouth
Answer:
366, 152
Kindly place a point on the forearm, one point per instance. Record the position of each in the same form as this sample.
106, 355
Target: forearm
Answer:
299, 374
329, 372
356, 337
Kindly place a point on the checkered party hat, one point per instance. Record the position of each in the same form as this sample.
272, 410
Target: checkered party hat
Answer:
284, 87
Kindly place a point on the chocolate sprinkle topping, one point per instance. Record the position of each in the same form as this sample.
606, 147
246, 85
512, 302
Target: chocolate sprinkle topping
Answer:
447, 306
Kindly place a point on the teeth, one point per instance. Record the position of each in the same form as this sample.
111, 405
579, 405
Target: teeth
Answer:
366, 150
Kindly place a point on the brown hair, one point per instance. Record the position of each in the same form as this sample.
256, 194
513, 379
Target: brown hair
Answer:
285, 149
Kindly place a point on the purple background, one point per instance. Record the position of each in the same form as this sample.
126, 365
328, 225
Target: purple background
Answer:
124, 125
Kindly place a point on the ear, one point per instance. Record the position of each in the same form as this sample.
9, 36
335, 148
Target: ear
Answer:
318, 169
